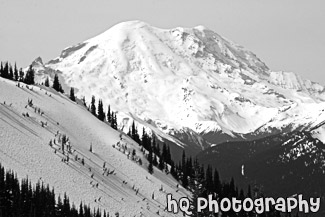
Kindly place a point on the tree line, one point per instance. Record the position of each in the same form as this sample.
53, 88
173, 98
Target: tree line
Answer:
98, 111
26, 200
7, 71
12, 73
199, 179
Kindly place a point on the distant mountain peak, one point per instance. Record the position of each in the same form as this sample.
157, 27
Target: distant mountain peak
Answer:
38, 60
189, 80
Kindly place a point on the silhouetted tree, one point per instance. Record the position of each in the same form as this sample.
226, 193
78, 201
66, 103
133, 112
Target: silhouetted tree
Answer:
100, 111
16, 75
56, 84
21, 75
93, 106
47, 82
72, 96
109, 115
23, 199
30, 75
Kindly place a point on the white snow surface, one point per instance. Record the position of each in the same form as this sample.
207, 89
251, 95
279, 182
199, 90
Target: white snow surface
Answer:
187, 78
24, 147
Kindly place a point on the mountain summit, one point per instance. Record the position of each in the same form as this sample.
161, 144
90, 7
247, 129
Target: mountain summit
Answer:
188, 85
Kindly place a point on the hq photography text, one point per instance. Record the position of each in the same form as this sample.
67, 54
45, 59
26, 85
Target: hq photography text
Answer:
259, 205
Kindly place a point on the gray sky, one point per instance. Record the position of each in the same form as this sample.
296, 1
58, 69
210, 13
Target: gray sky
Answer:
287, 35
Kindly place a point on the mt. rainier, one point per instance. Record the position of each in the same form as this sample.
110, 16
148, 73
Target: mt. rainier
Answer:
188, 85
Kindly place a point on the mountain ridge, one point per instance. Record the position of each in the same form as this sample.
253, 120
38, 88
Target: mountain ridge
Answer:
187, 78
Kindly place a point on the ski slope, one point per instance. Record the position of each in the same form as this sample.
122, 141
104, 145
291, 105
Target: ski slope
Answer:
24, 147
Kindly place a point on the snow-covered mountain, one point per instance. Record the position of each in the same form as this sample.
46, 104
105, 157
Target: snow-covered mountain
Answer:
31, 117
190, 86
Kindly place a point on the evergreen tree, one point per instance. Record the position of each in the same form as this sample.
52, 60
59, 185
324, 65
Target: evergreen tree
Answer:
189, 168
109, 115
162, 157
91, 148
11, 73
1, 70
133, 130
100, 111
150, 159
21, 75
47, 82
56, 83
114, 121
209, 180
81, 210
155, 161
30, 75
164, 153
16, 75
66, 206
161, 165
184, 171
217, 183
168, 156
197, 188
93, 106
5, 71
72, 96
173, 170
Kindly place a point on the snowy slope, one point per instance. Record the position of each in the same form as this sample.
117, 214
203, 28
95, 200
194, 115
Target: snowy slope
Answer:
187, 80
24, 147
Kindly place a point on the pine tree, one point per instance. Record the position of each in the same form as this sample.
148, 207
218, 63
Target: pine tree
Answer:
93, 106
56, 83
114, 121
150, 159
5, 71
30, 75
216, 182
1, 70
189, 168
47, 82
72, 96
173, 171
21, 75
91, 148
11, 73
162, 157
168, 156
109, 115
133, 130
184, 171
155, 161
100, 111
161, 165
164, 153
66, 206
209, 180
16, 75
81, 210
197, 188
